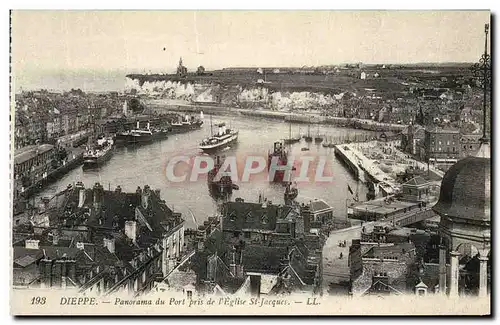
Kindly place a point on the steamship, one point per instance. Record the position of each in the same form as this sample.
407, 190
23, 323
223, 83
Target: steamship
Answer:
188, 124
222, 139
222, 187
279, 153
95, 156
142, 135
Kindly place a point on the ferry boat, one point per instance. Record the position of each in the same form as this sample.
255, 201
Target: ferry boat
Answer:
95, 156
223, 138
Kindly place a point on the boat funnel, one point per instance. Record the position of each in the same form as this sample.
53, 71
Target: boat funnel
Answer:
137, 124
187, 118
148, 125
201, 115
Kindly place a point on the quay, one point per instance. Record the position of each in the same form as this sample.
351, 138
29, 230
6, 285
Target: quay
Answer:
34, 167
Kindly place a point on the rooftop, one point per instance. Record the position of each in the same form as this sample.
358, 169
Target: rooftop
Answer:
29, 152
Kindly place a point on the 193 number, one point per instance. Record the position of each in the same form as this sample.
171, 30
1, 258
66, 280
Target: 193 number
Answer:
38, 301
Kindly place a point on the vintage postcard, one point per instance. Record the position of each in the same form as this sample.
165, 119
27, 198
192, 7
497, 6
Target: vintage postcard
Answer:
250, 162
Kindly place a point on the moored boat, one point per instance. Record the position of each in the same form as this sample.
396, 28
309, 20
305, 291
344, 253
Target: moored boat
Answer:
96, 155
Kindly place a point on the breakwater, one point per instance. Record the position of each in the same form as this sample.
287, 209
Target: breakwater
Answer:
302, 117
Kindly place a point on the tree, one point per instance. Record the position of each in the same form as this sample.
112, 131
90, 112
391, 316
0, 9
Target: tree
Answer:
200, 71
135, 105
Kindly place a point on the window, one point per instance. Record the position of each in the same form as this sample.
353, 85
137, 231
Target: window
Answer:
189, 294
447, 143
439, 142
247, 234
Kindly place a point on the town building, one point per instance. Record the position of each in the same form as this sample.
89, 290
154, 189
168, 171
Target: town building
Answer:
97, 240
416, 189
442, 147
252, 249
381, 268
469, 144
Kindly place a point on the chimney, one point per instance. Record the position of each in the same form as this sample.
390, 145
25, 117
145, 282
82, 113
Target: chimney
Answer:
63, 273
98, 195
109, 243
148, 125
131, 229
46, 269
31, 244
145, 197
71, 269
118, 189
81, 197
57, 273
55, 238
255, 281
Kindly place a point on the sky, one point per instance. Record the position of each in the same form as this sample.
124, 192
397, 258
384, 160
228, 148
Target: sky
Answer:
144, 41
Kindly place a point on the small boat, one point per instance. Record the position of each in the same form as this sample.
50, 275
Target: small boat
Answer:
291, 140
291, 193
304, 149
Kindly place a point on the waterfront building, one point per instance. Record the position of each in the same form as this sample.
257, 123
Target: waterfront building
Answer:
98, 240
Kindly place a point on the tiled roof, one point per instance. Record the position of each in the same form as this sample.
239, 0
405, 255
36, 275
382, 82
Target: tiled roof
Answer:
265, 259
318, 205
245, 215
396, 250
417, 181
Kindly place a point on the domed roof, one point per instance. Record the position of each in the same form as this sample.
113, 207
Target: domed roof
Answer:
466, 191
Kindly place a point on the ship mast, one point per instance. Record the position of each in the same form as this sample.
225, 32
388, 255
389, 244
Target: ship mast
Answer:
211, 127
309, 128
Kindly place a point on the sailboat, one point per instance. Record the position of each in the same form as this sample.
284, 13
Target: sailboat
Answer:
326, 144
318, 138
308, 137
291, 140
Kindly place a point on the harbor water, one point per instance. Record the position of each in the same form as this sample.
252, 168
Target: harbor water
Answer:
130, 167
